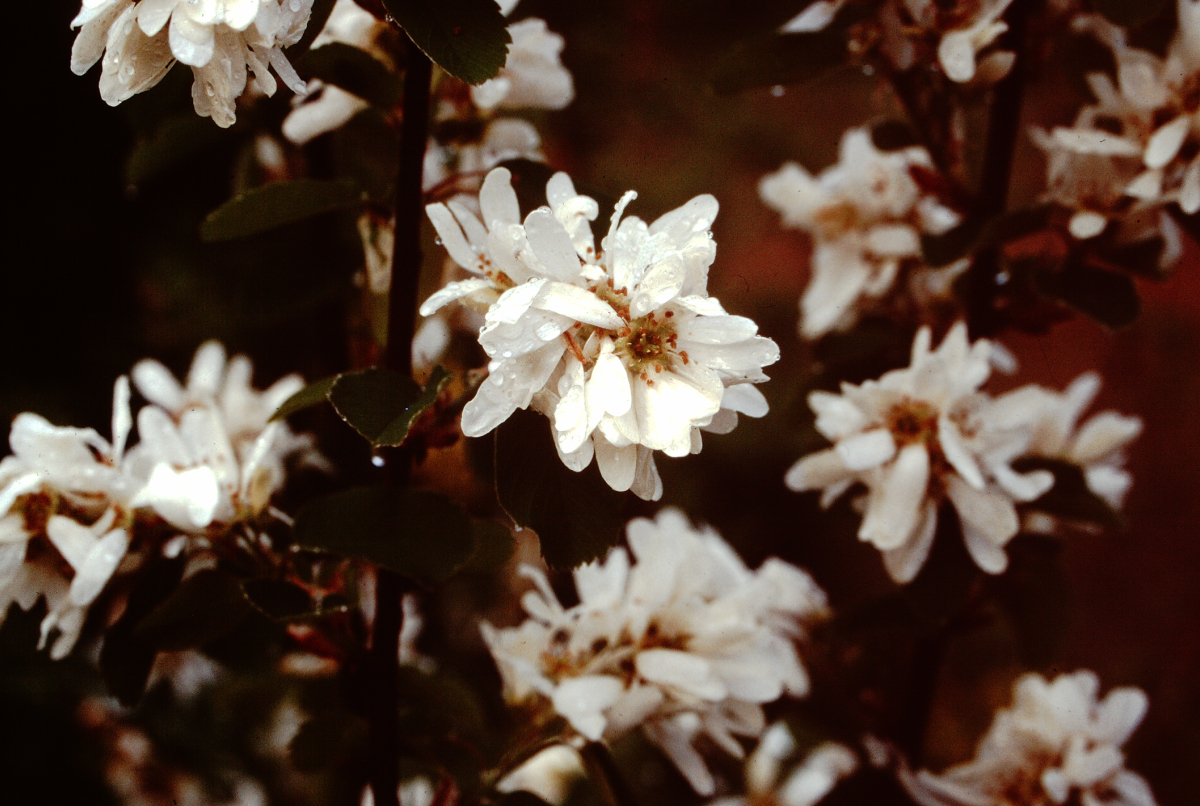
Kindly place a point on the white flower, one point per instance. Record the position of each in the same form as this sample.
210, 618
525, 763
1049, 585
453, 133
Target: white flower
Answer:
917, 436
866, 216
1097, 446
65, 505
324, 107
207, 452
1138, 147
805, 785
621, 348
533, 75
959, 47
549, 774
1056, 744
218, 39
684, 641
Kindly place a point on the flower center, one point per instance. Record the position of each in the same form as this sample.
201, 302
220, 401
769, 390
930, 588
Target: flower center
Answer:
912, 421
646, 345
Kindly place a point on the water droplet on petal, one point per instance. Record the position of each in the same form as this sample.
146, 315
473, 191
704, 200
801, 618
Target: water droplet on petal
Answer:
377, 460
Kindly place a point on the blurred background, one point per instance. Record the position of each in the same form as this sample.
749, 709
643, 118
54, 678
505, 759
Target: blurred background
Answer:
106, 267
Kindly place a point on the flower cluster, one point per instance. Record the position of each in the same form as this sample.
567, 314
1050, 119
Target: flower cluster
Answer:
1137, 149
806, 784
1056, 744
866, 216
73, 503
926, 433
620, 346
684, 641
218, 39
944, 35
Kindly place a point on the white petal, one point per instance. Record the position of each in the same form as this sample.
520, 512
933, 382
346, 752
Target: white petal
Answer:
98, 568
682, 670
452, 292
552, 245
578, 304
904, 563
610, 380
1165, 143
989, 520
497, 200
818, 470
73, 540
957, 454
158, 385
866, 450
896, 501
192, 43
187, 500
696, 216
617, 465
1086, 224
583, 700
744, 398
448, 229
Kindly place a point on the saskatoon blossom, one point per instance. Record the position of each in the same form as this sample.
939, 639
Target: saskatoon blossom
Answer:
682, 641
218, 39
1056, 744
621, 346
940, 35
925, 434
866, 216
1137, 149
65, 517
805, 785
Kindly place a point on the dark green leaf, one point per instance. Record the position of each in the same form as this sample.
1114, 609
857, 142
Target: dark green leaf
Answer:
354, 70
321, 9
494, 545
1129, 13
1070, 497
1109, 298
417, 533
329, 739
311, 395
784, 59
278, 599
126, 657
381, 404
175, 140
1035, 594
205, 606
577, 516
466, 38
274, 205
440, 705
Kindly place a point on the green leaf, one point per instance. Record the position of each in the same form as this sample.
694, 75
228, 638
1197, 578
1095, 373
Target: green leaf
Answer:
577, 516
466, 38
1070, 497
1109, 298
311, 395
416, 533
277, 599
205, 606
382, 404
274, 205
175, 140
784, 59
354, 70
494, 545
1129, 13
321, 9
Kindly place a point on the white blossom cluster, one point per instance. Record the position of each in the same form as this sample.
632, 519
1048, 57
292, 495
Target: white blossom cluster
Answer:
620, 346
926, 433
684, 641
804, 785
533, 77
866, 216
1137, 149
139, 40
206, 459
1056, 744
943, 35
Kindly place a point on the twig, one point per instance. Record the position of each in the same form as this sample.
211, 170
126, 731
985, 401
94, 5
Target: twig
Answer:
383, 661
1004, 122
604, 773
